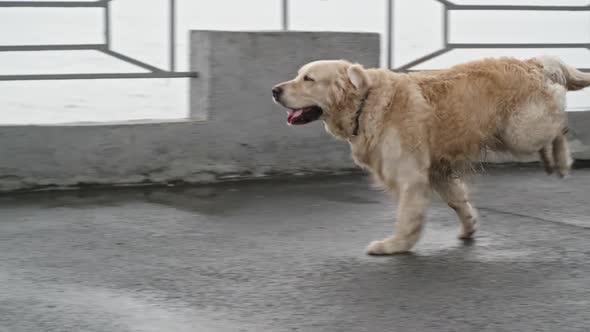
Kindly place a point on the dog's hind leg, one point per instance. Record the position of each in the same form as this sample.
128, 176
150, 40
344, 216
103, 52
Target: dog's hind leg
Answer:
561, 155
454, 192
547, 160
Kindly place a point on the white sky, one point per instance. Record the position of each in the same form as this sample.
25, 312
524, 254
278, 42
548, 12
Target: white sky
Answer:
139, 30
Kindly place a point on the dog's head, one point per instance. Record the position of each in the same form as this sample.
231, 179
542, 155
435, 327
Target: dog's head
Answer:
322, 90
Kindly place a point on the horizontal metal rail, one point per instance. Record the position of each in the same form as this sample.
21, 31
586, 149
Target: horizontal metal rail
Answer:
513, 45
105, 47
55, 47
96, 76
586, 70
55, 4
452, 6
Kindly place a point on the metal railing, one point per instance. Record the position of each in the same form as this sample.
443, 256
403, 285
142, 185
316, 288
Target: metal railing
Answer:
155, 72
104, 47
449, 6
448, 46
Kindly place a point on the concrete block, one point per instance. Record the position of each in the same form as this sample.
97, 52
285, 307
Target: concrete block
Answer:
236, 131
238, 69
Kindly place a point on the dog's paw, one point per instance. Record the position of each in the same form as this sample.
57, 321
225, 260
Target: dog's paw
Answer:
387, 247
467, 232
548, 169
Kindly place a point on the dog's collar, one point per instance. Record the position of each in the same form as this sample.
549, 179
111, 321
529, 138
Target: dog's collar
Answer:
357, 115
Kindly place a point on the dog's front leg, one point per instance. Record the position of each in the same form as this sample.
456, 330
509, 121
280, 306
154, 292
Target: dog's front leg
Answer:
414, 199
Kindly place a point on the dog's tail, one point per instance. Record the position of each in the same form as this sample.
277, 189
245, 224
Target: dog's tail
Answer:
568, 76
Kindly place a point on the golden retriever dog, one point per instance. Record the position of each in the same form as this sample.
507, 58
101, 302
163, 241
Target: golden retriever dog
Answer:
419, 132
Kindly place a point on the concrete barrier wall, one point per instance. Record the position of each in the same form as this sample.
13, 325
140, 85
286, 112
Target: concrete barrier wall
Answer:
236, 130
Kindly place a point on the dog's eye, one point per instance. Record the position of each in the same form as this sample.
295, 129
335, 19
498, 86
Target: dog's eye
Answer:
308, 79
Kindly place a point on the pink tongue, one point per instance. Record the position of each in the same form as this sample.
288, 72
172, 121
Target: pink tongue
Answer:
293, 115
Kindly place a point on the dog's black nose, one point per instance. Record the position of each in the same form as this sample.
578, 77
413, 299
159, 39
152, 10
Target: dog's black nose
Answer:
276, 92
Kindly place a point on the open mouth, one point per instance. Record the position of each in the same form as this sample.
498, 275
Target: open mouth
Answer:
304, 115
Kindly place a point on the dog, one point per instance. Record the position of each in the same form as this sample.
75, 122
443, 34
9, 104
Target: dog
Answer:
419, 133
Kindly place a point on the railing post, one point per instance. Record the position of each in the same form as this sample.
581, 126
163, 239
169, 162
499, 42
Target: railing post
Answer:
389, 33
107, 25
172, 35
285, 15
446, 24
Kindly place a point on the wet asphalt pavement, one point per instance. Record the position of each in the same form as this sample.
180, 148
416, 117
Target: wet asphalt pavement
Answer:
289, 256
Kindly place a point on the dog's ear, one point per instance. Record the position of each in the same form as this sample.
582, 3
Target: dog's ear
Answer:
358, 77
